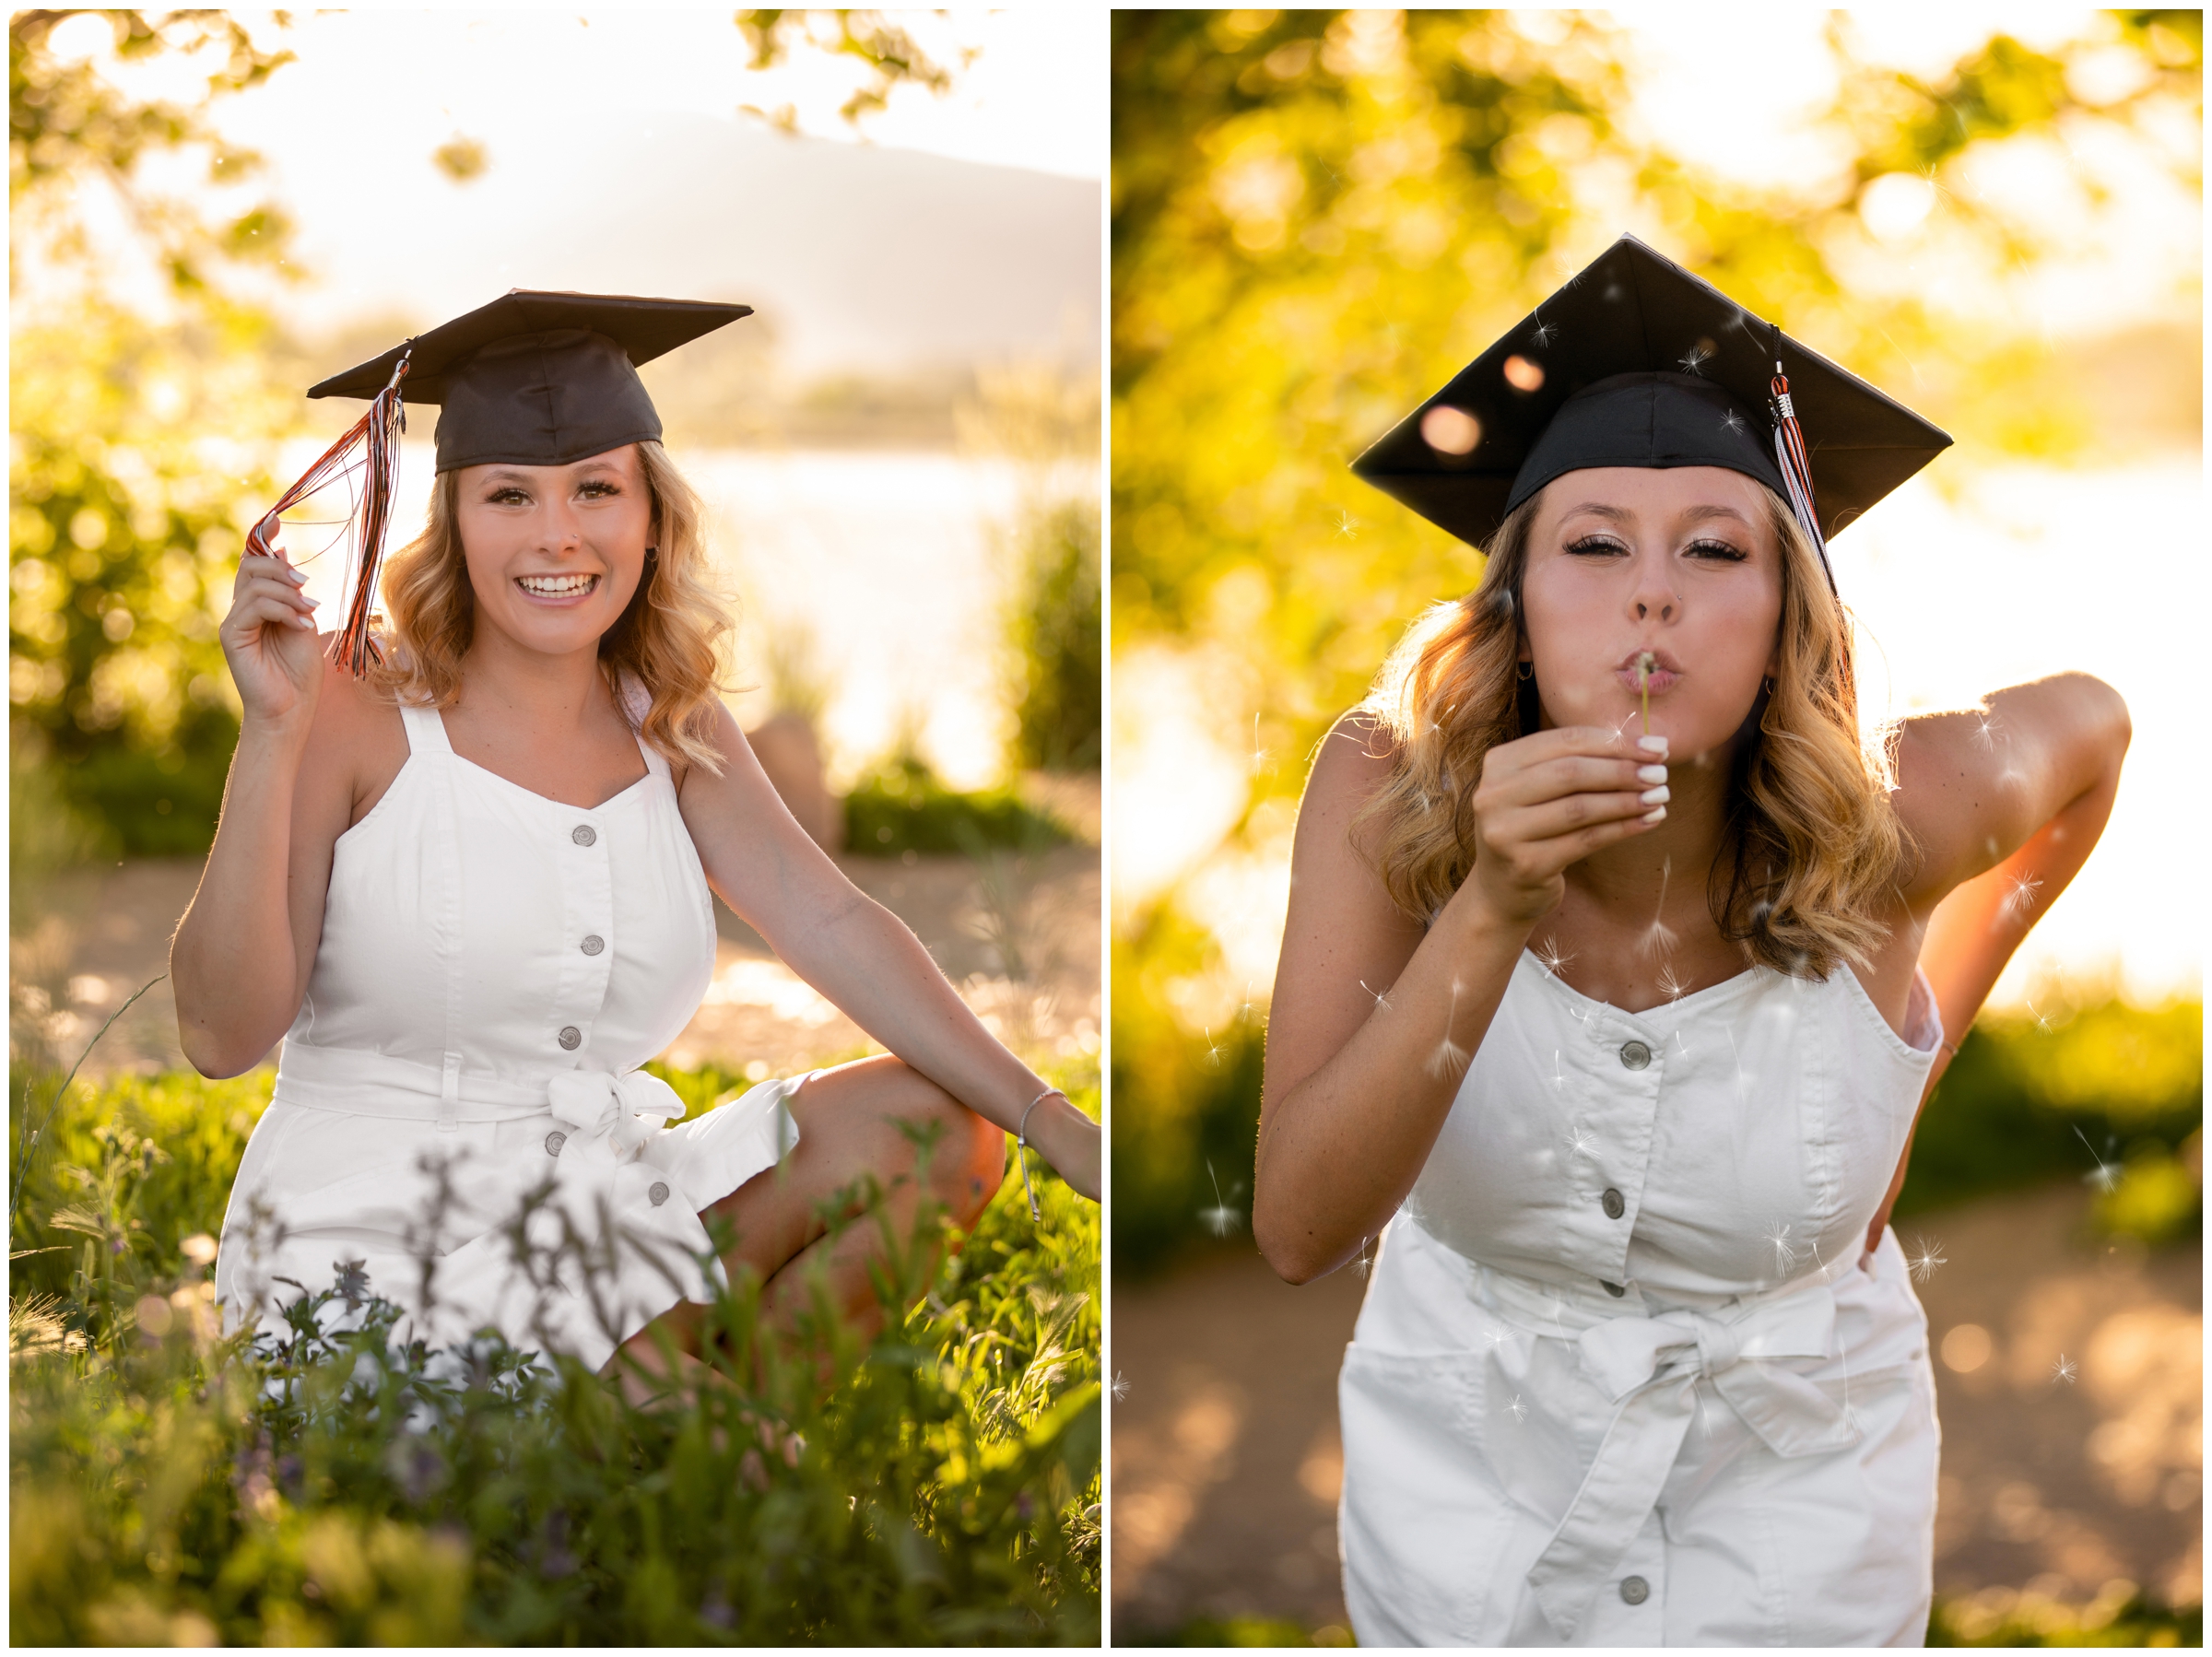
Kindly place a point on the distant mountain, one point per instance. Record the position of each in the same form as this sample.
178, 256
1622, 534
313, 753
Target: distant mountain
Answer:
883, 263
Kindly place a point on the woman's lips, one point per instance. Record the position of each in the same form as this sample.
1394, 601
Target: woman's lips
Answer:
1659, 679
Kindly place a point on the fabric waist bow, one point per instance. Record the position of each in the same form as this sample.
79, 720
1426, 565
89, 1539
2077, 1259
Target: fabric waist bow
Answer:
612, 1115
1651, 1367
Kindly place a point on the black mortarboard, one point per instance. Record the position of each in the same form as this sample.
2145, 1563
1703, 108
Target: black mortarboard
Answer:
1636, 362
538, 379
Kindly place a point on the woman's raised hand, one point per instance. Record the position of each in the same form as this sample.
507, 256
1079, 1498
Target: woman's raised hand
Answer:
269, 640
1551, 800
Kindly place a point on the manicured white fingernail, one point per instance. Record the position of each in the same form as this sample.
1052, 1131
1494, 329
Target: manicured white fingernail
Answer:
1654, 816
1651, 773
1652, 745
294, 576
1655, 796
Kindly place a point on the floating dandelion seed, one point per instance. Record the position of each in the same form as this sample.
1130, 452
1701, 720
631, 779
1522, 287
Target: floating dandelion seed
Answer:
1670, 986
1450, 1057
1678, 1047
1581, 1141
2042, 1023
1558, 1078
1496, 1337
1543, 333
1985, 731
1381, 1001
1694, 361
2063, 1369
1363, 1264
1121, 1386
1347, 527
1245, 1010
2019, 896
1550, 959
1786, 1252
1734, 423
1924, 1263
1213, 1049
1659, 937
1259, 754
2105, 1175
1220, 1220
1519, 1410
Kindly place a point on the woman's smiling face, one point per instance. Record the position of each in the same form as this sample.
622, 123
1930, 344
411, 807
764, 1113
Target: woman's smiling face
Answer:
1682, 562
555, 552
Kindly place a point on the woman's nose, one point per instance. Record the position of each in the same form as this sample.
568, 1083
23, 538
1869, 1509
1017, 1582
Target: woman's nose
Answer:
1654, 594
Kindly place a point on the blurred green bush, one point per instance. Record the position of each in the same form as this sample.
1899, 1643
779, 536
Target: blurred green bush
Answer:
169, 1486
902, 807
1055, 630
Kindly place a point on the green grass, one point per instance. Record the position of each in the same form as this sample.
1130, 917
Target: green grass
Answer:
170, 1484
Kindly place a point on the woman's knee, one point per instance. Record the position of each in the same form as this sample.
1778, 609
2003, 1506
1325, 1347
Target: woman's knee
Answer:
927, 1130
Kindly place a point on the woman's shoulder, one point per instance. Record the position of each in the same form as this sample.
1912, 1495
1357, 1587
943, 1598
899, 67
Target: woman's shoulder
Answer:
360, 742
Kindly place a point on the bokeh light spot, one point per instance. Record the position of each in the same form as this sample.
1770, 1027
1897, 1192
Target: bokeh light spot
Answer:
1450, 430
1523, 375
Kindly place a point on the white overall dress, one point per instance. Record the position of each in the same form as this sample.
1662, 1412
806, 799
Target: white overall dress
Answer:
1624, 1374
494, 967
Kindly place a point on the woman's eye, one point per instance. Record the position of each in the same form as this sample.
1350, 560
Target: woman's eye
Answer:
598, 490
1715, 550
1596, 546
509, 497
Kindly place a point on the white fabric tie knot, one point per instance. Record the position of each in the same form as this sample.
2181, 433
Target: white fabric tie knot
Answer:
623, 1111
1651, 1366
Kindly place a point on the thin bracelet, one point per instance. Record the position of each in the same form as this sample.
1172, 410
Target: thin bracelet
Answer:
1021, 1150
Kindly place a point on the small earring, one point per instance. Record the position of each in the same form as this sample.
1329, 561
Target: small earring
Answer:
1525, 671
1766, 685
653, 554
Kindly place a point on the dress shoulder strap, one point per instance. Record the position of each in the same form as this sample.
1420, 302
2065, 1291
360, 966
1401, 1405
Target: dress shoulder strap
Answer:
426, 729
635, 701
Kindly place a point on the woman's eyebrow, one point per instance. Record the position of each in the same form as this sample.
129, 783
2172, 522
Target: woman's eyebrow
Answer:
1697, 514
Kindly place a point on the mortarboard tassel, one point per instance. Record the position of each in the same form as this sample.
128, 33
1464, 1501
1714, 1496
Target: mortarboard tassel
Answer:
1796, 465
377, 433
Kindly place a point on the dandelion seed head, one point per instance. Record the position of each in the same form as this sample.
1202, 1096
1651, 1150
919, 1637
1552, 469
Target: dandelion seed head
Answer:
1925, 1258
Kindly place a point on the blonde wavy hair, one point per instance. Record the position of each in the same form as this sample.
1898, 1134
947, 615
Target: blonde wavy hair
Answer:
670, 637
1812, 845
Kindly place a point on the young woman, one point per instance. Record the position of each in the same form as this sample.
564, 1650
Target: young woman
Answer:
1615, 1041
472, 895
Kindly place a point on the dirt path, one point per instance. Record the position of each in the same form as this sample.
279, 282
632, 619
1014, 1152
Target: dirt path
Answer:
1226, 1459
1021, 938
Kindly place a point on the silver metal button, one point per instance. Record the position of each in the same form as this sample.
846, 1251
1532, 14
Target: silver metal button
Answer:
1635, 1589
658, 1195
570, 1036
1611, 1200
594, 945
1635, 1054
584, 835
554, 1141
1615, 1289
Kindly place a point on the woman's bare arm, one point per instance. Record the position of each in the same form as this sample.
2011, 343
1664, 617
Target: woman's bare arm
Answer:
863, 957
1373, 1020
2069, 734
241, 955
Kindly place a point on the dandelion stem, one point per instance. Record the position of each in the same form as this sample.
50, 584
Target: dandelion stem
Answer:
31, 1139
1646, 661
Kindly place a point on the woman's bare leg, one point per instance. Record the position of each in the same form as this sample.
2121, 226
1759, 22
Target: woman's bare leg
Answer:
854, 1124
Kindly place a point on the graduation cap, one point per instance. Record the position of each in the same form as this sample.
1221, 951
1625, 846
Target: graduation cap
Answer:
537, 379
1635, 362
